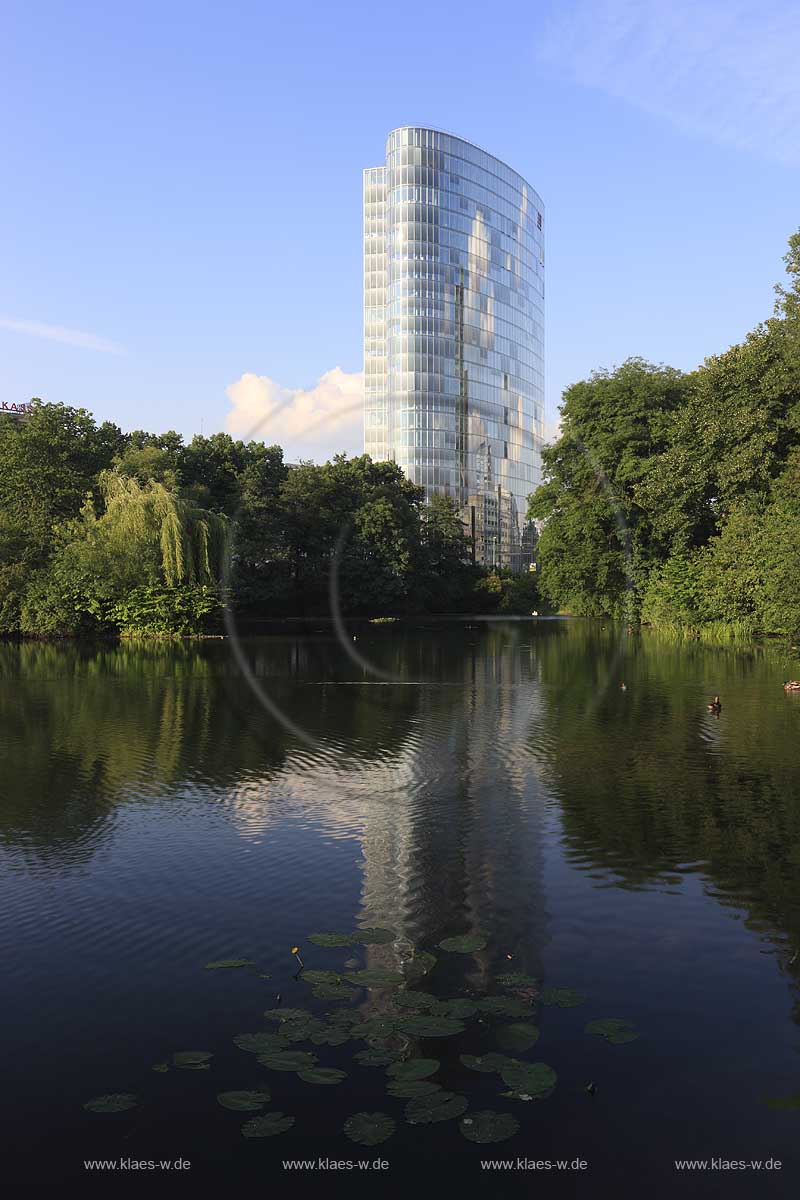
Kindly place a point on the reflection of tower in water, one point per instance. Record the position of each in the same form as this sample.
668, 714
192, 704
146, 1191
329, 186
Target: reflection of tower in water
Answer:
462, 850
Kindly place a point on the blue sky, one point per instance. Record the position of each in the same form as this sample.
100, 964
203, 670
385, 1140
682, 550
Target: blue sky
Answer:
181, 206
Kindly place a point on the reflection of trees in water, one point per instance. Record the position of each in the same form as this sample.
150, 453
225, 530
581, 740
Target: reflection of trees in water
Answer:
648, 781
87, 728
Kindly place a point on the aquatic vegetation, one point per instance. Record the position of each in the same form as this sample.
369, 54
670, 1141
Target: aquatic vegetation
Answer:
369, 1128
113, 1103
516, 979
376, 1027
407, 1089
613, 1029
322, 1075
192, 1060
315, 976
487, 1064
391, 1038
465, 943
287, 1060
420, 965
504, 1006
333, 940
532, 1079
519, 1036
427, 1025
461, 1008
436, 1106
488, 1126
301, 1029
331, 1036
269, 1125
376, 977
562, 997
376, 1056
229, 963
259, 1043
374, 937
411, 999
333, 991
244, 1101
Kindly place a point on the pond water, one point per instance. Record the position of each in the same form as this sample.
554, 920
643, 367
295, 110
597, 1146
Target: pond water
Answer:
489, 778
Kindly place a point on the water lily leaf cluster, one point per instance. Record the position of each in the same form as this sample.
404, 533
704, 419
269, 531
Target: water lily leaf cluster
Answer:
613, 1029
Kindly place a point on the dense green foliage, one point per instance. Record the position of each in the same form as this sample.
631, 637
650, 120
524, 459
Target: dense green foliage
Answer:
675, 498
102, 531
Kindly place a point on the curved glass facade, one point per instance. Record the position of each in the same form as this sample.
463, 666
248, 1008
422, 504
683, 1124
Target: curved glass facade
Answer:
454, 331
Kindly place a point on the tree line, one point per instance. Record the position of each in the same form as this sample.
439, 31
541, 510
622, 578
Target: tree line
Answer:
670, 497
109, 532
673, 498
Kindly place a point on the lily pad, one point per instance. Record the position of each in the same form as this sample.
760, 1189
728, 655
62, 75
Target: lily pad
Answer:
415, 1068
161, 1068
465, 943
562, 997
487, 1064
333, 991
407, 1089
376, 977
420, 965
437, 1106
284, 1014
426, 1025
113, 1103
259, 1043
461, 1008
326, 1075
288, 1060
369, 1129
374, 937
333, 940
504, 1006
244, 1101
269, 1125
516, 979
488, 1126
519, 1036
229, 963
613, 1029
376, 1027
411, 999
331, 1036
192, 1060
534, 1079
315, 976
374, 1056
300, 1029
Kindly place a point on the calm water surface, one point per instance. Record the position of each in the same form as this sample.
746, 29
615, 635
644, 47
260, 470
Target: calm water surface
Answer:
488, 776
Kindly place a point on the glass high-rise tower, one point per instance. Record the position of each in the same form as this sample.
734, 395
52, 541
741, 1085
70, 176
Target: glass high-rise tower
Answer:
454, 331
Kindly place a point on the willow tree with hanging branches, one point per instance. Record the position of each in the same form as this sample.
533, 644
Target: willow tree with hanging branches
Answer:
150, 561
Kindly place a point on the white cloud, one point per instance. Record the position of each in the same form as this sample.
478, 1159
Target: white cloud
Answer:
313, 423
57, 333
721, 69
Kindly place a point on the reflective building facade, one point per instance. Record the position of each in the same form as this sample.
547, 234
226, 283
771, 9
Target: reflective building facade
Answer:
454, 331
